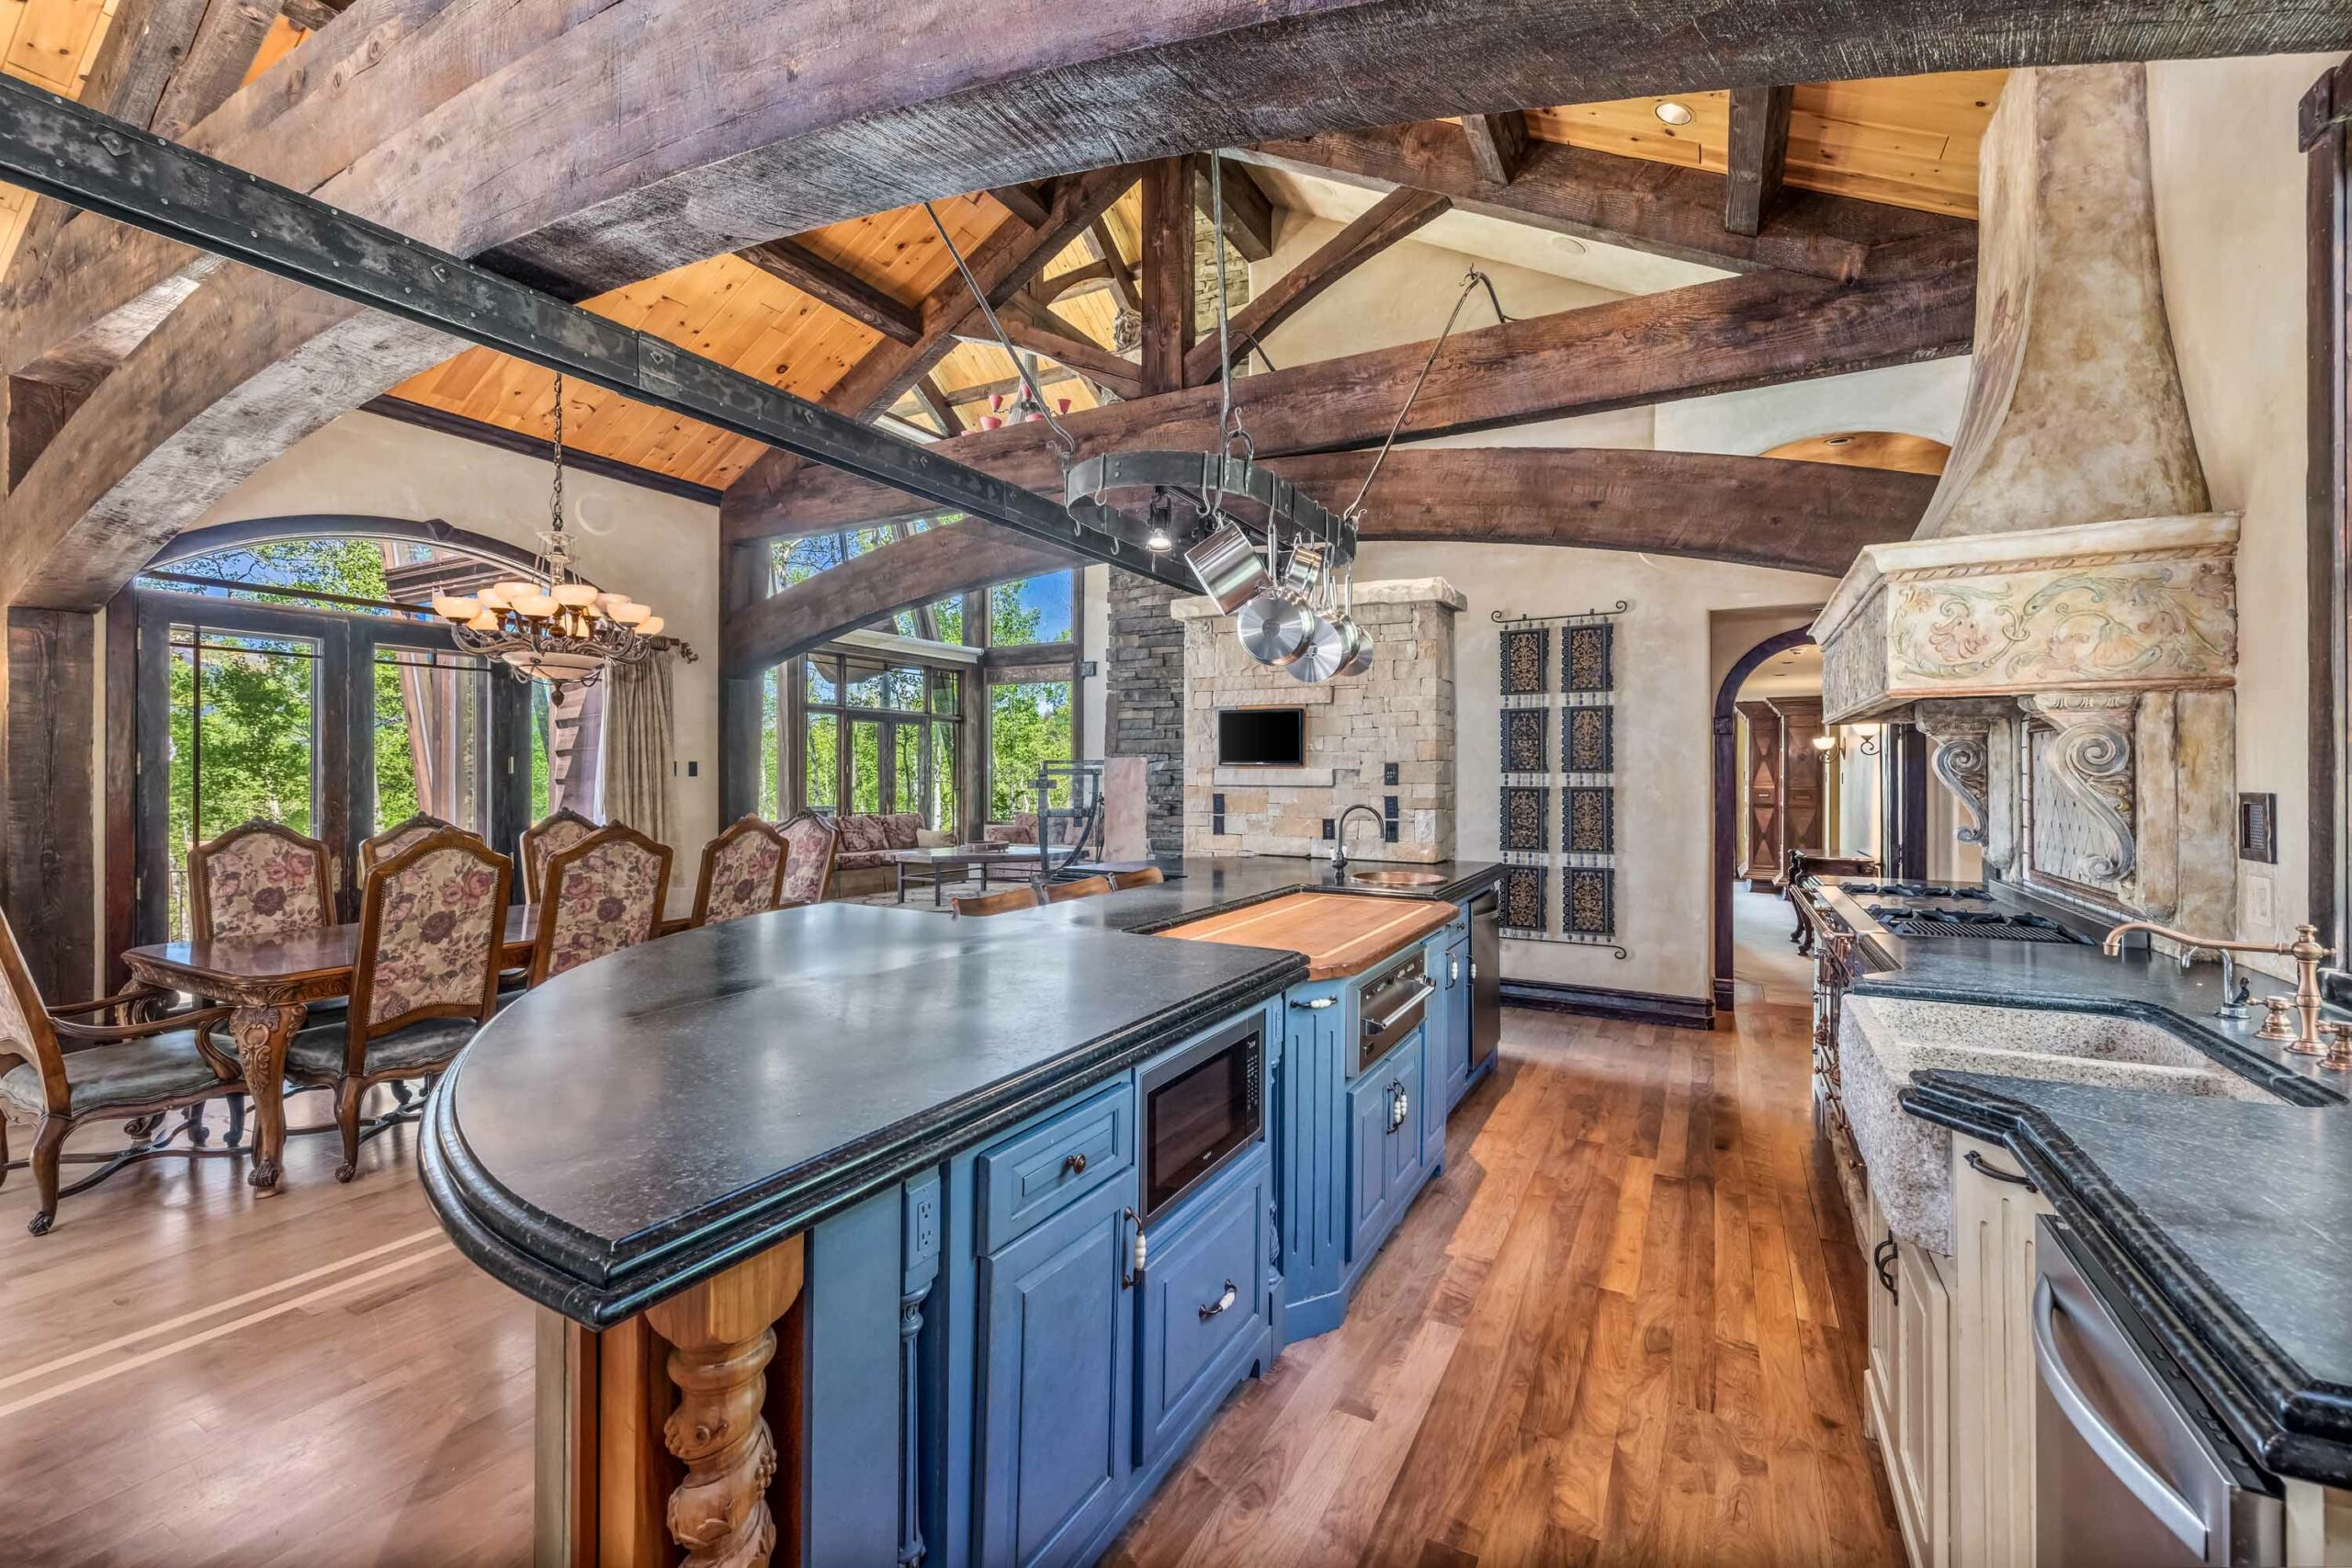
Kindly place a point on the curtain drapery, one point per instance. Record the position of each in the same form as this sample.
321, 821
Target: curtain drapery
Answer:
637, 746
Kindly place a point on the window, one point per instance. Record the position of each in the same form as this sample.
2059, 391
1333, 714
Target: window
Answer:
299, 682
1032, 609
1029, 725
876, 736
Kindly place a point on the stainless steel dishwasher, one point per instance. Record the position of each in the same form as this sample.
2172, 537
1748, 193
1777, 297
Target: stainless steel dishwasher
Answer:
2131, 1468
1486, 976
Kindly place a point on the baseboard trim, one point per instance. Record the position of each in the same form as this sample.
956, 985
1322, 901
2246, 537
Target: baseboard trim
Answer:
1602, 1001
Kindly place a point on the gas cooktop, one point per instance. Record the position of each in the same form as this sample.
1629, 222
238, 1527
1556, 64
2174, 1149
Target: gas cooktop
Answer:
1912, 890
1982, 924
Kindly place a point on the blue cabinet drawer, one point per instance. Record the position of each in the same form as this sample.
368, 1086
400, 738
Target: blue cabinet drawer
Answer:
1034, 1175
1206, 1306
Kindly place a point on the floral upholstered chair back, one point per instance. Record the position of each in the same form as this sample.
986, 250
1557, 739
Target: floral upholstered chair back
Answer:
603, 894
393, 839
808, 862
256, 882
432, 921
546, 839
742, 873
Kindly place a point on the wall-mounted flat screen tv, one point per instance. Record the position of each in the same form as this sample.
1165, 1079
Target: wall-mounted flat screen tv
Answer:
1261, 737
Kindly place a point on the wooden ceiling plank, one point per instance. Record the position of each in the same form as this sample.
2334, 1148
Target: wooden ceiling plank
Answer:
1394, 216
1633, 202
1497, 144
1732, 334
1249, 211
1167, 273
1758, 155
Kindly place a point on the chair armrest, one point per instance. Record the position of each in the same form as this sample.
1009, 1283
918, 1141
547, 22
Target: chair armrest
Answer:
138, 993
101, 1034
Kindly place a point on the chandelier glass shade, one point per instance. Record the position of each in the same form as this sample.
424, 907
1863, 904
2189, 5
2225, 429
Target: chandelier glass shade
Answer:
552, 625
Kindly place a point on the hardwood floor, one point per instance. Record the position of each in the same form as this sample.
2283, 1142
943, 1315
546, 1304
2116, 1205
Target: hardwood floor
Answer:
1624, 1326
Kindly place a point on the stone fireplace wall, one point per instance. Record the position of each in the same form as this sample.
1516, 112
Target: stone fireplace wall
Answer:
1145, 686
1398, 715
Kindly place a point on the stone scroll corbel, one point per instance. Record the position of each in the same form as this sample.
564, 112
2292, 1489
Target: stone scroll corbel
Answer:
2091, 757
1963, 760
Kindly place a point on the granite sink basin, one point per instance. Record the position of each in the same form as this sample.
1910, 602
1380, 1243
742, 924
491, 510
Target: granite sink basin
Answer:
1397, 878
1883, 1040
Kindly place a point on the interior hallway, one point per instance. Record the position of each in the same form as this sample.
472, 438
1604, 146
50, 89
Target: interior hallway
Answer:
1625, 1325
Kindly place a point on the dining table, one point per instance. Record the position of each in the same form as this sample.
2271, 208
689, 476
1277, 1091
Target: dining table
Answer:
269, 984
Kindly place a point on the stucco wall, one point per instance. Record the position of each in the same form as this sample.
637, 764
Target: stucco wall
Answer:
662, 548
2230, 225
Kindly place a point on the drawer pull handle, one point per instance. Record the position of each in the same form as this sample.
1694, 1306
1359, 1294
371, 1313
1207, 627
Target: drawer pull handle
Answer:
1221, 1303
1076, 1164
1139, 1254
1977, 1163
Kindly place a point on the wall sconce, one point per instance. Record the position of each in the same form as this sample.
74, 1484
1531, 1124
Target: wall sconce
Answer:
1869, 732
1824, 741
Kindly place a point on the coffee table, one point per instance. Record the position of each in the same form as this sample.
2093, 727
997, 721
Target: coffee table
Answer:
937, 868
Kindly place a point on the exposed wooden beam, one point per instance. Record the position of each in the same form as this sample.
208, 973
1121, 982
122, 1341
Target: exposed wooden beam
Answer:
1730, 334
1391, 219
928, 393
916, 571
311, 14
1090, 278
1167, 273
1812, 517
1757, 156
1662, 207
1042, 332
1032, 203
837, 285
1105, 246
1005, 263
1249, 211
1006, 386
225, 44
1497, 144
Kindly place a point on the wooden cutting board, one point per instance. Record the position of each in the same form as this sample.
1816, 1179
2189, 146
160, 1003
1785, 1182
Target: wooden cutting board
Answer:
1339, 933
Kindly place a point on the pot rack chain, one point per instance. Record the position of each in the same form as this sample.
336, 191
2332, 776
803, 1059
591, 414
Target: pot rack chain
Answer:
1471, 280
1024, 369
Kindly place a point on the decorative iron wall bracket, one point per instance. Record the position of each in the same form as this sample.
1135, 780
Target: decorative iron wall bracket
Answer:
61, 149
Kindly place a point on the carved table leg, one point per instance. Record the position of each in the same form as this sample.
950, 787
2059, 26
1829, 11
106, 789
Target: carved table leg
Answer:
721, 1342
262, 1033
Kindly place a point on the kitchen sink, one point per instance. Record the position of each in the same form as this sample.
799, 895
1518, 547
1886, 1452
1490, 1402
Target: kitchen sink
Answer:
1883, 1040
1397, 878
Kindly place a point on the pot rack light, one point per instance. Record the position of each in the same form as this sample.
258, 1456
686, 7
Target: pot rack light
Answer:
1275, 557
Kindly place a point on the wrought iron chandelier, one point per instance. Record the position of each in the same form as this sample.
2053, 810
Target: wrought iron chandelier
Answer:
556, 626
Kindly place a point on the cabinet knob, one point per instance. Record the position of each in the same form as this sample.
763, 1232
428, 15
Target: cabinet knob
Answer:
1076, 1164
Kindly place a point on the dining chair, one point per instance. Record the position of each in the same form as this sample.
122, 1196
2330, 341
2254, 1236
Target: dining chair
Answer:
1142, 876
1083, 888
604, 894
558, 830
1022, 897
742, 873
259, 880
395, 839
813, 843
67, 1073
432, 920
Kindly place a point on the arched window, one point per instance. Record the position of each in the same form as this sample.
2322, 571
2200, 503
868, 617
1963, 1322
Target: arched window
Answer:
289, 669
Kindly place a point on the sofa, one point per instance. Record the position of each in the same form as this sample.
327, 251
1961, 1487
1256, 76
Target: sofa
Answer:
863, 863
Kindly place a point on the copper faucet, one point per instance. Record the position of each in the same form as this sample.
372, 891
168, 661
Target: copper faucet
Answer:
2305, 949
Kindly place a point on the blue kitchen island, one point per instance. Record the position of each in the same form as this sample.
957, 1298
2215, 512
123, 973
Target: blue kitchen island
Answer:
867, 1236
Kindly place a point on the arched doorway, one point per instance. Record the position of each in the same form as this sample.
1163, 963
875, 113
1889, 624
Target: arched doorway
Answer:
1727, 807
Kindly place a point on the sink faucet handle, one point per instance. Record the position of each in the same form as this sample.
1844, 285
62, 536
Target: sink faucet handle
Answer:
2278, 1025
2339, 1046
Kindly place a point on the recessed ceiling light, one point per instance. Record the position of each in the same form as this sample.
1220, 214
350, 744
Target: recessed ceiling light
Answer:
1672, 112
1837, 441
1569, 244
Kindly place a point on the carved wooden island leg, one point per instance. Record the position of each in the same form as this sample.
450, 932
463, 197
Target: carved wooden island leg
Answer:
261, 1035
611, 1495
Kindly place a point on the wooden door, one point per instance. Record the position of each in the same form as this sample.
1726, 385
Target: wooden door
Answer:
1802, 776
1763, 802
1056, 1367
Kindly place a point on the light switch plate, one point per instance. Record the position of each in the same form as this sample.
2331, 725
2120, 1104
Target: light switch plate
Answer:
2261, 905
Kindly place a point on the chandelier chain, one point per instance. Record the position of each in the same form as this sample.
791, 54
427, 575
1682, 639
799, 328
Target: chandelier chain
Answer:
555, 499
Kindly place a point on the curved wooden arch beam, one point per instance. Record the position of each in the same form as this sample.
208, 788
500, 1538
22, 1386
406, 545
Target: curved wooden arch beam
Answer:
1810, 517
586, 148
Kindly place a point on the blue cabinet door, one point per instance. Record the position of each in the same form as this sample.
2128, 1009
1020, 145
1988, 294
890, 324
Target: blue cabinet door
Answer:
1370, 1108
1206, 1306
1403, 1074
1056, 1357
1453, 1010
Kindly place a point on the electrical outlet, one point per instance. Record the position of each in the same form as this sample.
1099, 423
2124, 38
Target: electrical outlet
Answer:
2261, 905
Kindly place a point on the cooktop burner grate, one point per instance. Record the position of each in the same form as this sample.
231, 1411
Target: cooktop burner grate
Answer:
1914, 890
1982, 925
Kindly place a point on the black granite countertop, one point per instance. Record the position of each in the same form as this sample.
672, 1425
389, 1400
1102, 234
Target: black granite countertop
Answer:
1209, 886
649, 1119
2229, 1224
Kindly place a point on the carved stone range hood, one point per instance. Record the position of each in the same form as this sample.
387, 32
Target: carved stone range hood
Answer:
2063, 624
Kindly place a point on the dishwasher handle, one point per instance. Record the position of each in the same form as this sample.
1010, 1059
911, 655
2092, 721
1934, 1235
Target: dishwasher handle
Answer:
2171, 1510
